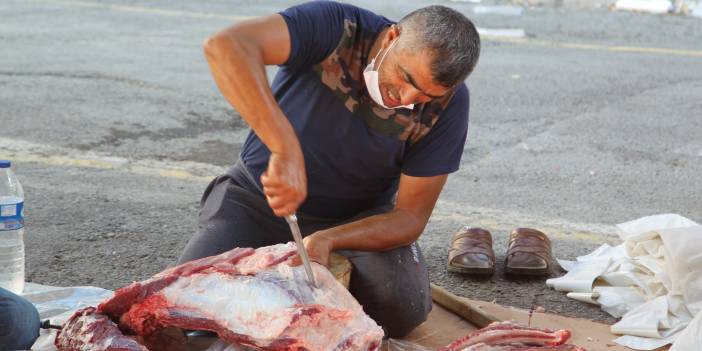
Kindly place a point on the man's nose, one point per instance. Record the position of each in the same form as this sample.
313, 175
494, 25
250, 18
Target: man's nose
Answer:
408, 96
411, 96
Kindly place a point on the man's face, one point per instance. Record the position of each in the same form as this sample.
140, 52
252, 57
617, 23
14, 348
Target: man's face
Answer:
405, 77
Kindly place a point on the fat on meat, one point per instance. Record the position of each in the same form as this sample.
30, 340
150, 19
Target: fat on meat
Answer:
248, 297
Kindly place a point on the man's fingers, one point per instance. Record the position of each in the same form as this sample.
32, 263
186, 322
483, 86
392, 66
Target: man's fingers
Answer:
282, 206
295, 261
277, 202
273, 191
283, 202
283, 211
269, 182
284, 189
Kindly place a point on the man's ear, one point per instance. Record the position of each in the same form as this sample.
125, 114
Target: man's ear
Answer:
391, 35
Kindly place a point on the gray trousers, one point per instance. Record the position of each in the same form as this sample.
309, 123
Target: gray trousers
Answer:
392, 286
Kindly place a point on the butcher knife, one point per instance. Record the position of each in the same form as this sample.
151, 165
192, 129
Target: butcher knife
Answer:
297, 235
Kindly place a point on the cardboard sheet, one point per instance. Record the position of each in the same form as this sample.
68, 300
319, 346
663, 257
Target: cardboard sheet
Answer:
440, 329
443, 327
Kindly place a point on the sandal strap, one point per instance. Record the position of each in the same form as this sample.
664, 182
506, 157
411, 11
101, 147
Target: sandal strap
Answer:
526, 240
473, 233
471, 241
528, 235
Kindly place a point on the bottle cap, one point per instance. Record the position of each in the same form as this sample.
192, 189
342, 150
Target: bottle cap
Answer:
5, 164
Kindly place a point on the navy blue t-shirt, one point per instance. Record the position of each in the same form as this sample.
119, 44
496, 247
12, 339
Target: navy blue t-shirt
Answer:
354, 149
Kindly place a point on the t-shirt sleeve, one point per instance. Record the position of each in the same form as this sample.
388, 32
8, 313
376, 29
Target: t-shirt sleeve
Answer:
315, 31
440, 151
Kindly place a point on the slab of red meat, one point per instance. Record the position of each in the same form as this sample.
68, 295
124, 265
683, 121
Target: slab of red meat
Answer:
248, 297
97, 333
514, 347
512, 337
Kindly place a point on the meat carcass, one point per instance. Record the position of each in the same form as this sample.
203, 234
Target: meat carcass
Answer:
507, 336
96, 330
248, 297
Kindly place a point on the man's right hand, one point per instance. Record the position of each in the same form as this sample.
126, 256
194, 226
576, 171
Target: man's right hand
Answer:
285, 181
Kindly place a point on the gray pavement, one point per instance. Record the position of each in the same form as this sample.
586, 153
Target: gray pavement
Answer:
115, 125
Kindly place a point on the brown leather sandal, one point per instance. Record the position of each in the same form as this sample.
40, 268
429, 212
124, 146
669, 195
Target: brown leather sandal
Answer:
528, 253
471, 252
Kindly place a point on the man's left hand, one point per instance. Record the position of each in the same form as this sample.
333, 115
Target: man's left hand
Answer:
318, 249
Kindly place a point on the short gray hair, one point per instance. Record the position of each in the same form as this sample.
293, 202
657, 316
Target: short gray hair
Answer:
451, 37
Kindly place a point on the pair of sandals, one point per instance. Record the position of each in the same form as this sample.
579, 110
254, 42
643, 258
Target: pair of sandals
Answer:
528, 252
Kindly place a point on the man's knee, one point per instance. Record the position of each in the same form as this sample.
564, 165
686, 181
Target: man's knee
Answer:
399, 315
19, 322
393, 287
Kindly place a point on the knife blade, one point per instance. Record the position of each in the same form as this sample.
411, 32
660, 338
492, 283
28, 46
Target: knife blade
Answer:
297, 235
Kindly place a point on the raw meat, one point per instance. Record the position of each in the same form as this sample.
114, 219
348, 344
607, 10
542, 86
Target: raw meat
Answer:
94, 331
248, 297
89, 330
512, 337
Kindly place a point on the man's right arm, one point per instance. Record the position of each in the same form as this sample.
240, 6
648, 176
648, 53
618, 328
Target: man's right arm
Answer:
237, 57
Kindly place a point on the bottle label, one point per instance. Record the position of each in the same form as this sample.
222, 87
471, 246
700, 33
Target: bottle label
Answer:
12, 216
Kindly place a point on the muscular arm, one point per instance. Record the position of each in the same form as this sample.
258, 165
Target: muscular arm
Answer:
399, 227
237, 57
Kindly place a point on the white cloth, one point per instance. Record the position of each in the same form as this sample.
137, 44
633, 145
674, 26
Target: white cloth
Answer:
653, 280
691, 337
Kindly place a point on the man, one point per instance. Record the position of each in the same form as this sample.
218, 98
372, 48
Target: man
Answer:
357, 134
19, 322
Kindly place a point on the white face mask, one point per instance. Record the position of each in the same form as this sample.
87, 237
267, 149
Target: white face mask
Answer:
370, 75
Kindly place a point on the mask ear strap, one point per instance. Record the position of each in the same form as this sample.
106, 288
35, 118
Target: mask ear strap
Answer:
385, 53
376, 55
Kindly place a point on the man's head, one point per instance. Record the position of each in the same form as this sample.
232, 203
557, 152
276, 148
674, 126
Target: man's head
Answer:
437, 48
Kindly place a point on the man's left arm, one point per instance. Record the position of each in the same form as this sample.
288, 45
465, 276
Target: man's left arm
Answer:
425, 169
400, 227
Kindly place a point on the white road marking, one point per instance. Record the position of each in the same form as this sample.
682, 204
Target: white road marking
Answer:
505, 221
446, 210
23, 151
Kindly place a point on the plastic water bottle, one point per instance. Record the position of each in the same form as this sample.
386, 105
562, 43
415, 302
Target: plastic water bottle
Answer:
11, 230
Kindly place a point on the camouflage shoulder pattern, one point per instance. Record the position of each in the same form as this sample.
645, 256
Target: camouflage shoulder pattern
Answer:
342, 73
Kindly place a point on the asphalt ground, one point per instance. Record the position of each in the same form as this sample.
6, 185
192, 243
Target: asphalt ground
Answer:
115, 126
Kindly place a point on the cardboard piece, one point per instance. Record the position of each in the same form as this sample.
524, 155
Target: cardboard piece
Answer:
341, 268
443, 326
